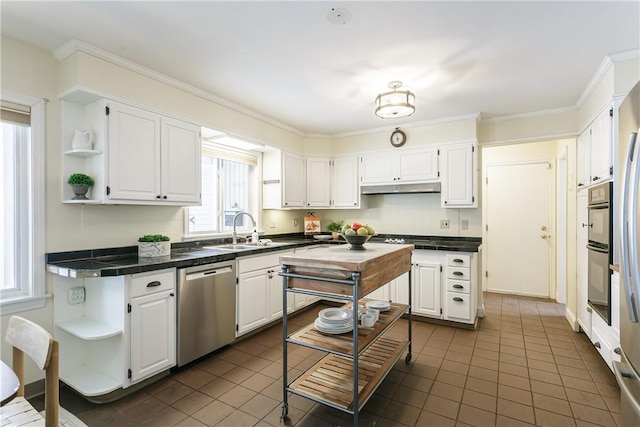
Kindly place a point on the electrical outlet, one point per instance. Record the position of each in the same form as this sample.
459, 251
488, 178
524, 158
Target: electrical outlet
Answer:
444, 223
76, 295
464, 224
295, 222
272, 223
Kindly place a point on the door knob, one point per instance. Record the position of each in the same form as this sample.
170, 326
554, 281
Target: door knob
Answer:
543, 228
543, 236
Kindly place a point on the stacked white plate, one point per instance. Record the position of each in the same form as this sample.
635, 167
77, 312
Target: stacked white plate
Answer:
379, 305
334, 321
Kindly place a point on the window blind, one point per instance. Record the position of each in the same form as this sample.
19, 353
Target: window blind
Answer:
212, 149
15, 113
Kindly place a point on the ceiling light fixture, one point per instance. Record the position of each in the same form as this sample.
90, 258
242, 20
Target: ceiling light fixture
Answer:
395, 104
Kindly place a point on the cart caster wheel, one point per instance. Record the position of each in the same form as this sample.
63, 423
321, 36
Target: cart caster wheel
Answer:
407, 359
285, 412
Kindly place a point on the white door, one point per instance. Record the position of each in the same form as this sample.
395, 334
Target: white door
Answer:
318, 182
518, 225
346, 191
153, 332
427, 290
181, 161
253, 300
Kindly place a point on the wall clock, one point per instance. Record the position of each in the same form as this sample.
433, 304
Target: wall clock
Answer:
398, 138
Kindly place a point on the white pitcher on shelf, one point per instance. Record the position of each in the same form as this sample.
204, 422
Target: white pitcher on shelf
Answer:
82, 140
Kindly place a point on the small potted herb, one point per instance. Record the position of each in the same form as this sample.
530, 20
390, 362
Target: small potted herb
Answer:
154, 245
334, 227
80, 184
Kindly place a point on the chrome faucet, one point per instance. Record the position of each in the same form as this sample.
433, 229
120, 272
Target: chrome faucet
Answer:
234, 235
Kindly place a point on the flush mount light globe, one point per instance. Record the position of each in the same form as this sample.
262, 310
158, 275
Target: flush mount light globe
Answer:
395, 104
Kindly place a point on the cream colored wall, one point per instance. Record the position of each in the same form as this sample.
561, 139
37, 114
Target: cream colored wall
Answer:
29, 71
552, 125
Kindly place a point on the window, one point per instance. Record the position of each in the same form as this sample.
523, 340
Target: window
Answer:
22, 265
229, 182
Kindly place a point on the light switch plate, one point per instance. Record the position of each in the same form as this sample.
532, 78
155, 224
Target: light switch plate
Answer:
76, 295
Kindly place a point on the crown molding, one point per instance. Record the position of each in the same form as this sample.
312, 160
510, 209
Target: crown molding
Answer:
530, 114
607, 62
474, 116
73, 45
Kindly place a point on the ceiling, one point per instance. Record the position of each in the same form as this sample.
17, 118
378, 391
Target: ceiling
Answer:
297, 64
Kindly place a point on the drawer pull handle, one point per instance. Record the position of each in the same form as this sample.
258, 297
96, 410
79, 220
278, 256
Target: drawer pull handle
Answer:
171, 294
458, 299
457, 260
597, 344
153, 284
458, 273
458, 286
617, 351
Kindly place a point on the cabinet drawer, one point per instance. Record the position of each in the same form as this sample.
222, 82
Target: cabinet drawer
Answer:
603, 346
459, 286
260, 262
458, 273
149, 283
457, 307
459, 260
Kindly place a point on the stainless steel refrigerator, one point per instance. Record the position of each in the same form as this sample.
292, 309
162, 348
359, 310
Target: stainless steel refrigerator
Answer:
627, 371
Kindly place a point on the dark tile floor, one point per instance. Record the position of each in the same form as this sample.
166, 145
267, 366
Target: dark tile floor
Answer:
523, 366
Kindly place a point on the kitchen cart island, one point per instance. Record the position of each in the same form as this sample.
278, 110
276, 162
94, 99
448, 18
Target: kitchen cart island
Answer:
363, 356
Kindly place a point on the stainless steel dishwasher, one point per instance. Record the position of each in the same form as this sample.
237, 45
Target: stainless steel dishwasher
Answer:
206, 309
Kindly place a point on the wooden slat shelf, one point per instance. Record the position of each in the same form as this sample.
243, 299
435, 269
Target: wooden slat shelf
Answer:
330, 381
343, 343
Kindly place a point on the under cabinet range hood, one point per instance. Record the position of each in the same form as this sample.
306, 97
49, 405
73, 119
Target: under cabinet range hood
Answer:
427, 187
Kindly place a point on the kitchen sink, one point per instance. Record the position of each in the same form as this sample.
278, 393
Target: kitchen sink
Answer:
244, 246
232, 247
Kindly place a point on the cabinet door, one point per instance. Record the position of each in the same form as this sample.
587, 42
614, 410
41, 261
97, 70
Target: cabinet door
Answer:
584, 311
378, 168
181, 161
602, 146
318, 182
427, 289
153, 334
584, 156
134, 154
275, 294
399, 291
292, 180
459, 182
418, 165
253, 300
346, 187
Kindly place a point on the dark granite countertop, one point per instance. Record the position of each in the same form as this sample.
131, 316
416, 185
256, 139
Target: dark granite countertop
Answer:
124, 260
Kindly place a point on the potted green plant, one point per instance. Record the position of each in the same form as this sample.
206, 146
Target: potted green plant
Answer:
80, 184
154, 245
334, 227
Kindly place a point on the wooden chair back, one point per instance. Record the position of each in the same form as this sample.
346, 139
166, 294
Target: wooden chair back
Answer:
33, 340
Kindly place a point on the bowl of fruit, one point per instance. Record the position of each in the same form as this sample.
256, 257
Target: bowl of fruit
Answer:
357, 235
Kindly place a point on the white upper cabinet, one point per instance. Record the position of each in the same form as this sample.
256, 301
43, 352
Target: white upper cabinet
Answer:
319, 182
400, 167
595, 150
283, 180
345, 183
332, 182
139, 156
152, 158
458, 165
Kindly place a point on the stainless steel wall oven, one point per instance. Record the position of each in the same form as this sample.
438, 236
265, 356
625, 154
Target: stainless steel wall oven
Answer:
600, 249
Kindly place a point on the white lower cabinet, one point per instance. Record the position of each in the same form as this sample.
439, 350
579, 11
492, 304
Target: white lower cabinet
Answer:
152, 324
445, 285
426, 293
122, 332
259, 292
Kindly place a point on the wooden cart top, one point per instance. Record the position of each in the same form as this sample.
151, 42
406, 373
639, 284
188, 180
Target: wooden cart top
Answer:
340, 257
377, 265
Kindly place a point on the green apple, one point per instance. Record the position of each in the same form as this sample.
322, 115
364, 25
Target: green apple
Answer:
345, 227
350, 232
362, 231
370, 229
